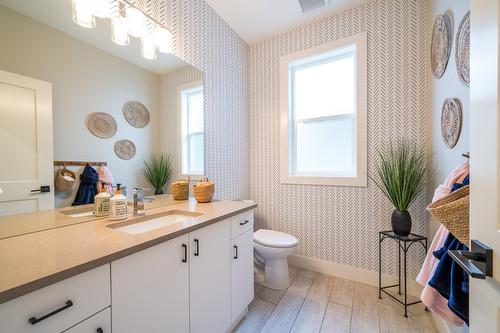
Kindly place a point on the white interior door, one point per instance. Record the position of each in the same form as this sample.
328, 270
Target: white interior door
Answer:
26, 147
485, 159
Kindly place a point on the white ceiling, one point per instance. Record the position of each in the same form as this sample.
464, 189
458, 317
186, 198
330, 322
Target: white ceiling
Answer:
257, 20
57, 14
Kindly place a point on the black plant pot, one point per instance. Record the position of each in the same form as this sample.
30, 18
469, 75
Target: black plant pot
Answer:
401, 222
158, 191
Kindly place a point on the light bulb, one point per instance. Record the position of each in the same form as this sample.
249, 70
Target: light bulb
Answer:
136, 22
163, 39
101, 8
119, 31
148, 47
82, 13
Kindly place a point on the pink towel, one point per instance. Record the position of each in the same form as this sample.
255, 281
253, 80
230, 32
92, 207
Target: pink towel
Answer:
106, 178
430, 297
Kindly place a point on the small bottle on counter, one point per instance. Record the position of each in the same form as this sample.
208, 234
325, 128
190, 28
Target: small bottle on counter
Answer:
118, 203
102, 203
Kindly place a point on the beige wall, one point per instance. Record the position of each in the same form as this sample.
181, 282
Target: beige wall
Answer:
442, 159
85, 79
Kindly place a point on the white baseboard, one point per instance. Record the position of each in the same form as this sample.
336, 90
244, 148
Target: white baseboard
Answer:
351, 273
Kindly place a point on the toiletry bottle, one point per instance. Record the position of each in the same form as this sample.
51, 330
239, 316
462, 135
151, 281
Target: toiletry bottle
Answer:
102, 203
118, 203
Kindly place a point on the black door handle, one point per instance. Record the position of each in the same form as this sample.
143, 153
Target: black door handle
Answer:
236, 252
99, 330
197, 247
245, 222
42, 189
185, 259
478, 262
34, 320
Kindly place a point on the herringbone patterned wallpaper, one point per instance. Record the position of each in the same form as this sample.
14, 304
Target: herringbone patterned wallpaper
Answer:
341, 224
204, 40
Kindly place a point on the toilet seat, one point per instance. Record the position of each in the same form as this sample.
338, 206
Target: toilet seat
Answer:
271, 238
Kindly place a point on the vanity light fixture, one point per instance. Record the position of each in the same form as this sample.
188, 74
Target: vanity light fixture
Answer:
148, 47
163, 39
136, 22
119, 31
126, 20
82, 13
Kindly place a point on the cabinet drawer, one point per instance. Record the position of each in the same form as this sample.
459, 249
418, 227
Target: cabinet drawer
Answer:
241, 223
59, 306
98, 323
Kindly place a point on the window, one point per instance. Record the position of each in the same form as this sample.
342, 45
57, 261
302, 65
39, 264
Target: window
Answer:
323, 102
192, 152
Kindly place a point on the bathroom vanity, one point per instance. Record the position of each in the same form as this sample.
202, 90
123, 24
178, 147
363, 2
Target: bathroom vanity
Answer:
186, 267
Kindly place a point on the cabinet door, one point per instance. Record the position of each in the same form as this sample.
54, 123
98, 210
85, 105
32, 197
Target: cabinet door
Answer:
242, 274
150, 289
210, 278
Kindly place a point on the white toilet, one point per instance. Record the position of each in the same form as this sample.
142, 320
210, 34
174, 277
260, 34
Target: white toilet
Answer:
272, 248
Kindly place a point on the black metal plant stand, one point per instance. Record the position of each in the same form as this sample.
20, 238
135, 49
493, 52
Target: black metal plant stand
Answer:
404, 243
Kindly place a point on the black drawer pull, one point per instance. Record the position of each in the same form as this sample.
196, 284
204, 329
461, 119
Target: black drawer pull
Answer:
235, 252
99, 330
197, 247
34, 320
185, 258
245, 222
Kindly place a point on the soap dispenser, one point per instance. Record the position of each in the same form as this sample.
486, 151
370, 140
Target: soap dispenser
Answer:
118, 203
102, 202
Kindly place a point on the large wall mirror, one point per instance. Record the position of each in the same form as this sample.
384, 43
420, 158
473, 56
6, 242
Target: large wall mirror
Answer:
77, 87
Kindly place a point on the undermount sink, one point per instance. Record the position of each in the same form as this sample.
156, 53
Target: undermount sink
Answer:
86, 210
156, 221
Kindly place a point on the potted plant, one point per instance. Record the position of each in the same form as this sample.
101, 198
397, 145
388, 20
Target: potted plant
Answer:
158, 171
401, 173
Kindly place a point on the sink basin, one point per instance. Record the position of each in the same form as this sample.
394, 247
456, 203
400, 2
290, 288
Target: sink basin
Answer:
87, 210
153, 222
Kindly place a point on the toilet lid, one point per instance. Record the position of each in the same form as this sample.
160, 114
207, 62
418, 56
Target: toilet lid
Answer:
273, 238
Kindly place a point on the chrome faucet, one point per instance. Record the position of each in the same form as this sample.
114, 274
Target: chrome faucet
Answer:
139, 200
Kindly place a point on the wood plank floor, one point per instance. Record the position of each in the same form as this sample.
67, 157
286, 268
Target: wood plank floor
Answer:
317, 302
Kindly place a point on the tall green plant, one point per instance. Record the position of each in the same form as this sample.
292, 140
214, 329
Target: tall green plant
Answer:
401, 173
158, 170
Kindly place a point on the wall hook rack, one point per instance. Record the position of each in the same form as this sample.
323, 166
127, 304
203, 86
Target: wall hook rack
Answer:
79, 163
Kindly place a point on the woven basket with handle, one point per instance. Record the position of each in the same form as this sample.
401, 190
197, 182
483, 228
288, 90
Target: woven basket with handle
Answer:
452, 212
180, 189
204, 190
65, 180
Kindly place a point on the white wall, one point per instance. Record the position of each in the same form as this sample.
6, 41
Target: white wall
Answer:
442, 159
84, 79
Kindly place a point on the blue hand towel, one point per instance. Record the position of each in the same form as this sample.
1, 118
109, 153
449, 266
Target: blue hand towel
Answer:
88, 187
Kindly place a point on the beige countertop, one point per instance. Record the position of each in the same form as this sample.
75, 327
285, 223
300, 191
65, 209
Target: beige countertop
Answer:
34, 260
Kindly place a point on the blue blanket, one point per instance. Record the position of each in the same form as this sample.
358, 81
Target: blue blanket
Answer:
88, 187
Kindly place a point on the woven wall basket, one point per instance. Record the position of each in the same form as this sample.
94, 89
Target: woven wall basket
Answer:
462, 50
440, 46
452, 212
451, 122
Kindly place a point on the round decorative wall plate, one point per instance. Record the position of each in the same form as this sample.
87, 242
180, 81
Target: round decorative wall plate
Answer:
451, 122
102, 125
462, 50
440, 46
125, 149
136, 114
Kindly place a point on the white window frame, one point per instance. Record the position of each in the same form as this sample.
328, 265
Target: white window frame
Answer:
360, 117
183, 139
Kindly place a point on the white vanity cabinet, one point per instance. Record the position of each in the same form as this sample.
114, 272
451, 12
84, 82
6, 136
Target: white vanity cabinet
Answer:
150, 289
242, 275
210, 278
58, 307
98, 323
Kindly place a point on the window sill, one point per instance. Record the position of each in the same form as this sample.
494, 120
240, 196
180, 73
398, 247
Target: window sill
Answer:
192, 177
360, 181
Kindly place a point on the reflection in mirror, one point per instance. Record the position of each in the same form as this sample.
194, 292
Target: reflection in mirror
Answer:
70, 95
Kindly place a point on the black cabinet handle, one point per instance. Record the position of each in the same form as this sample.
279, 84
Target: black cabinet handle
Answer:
245, 222
235, 252
197, 247
185, 259
99, 330
34, 320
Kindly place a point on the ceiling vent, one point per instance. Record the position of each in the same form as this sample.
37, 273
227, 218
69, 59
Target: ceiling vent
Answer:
312, 5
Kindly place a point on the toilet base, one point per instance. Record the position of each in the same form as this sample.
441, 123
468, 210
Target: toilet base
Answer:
276, 274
